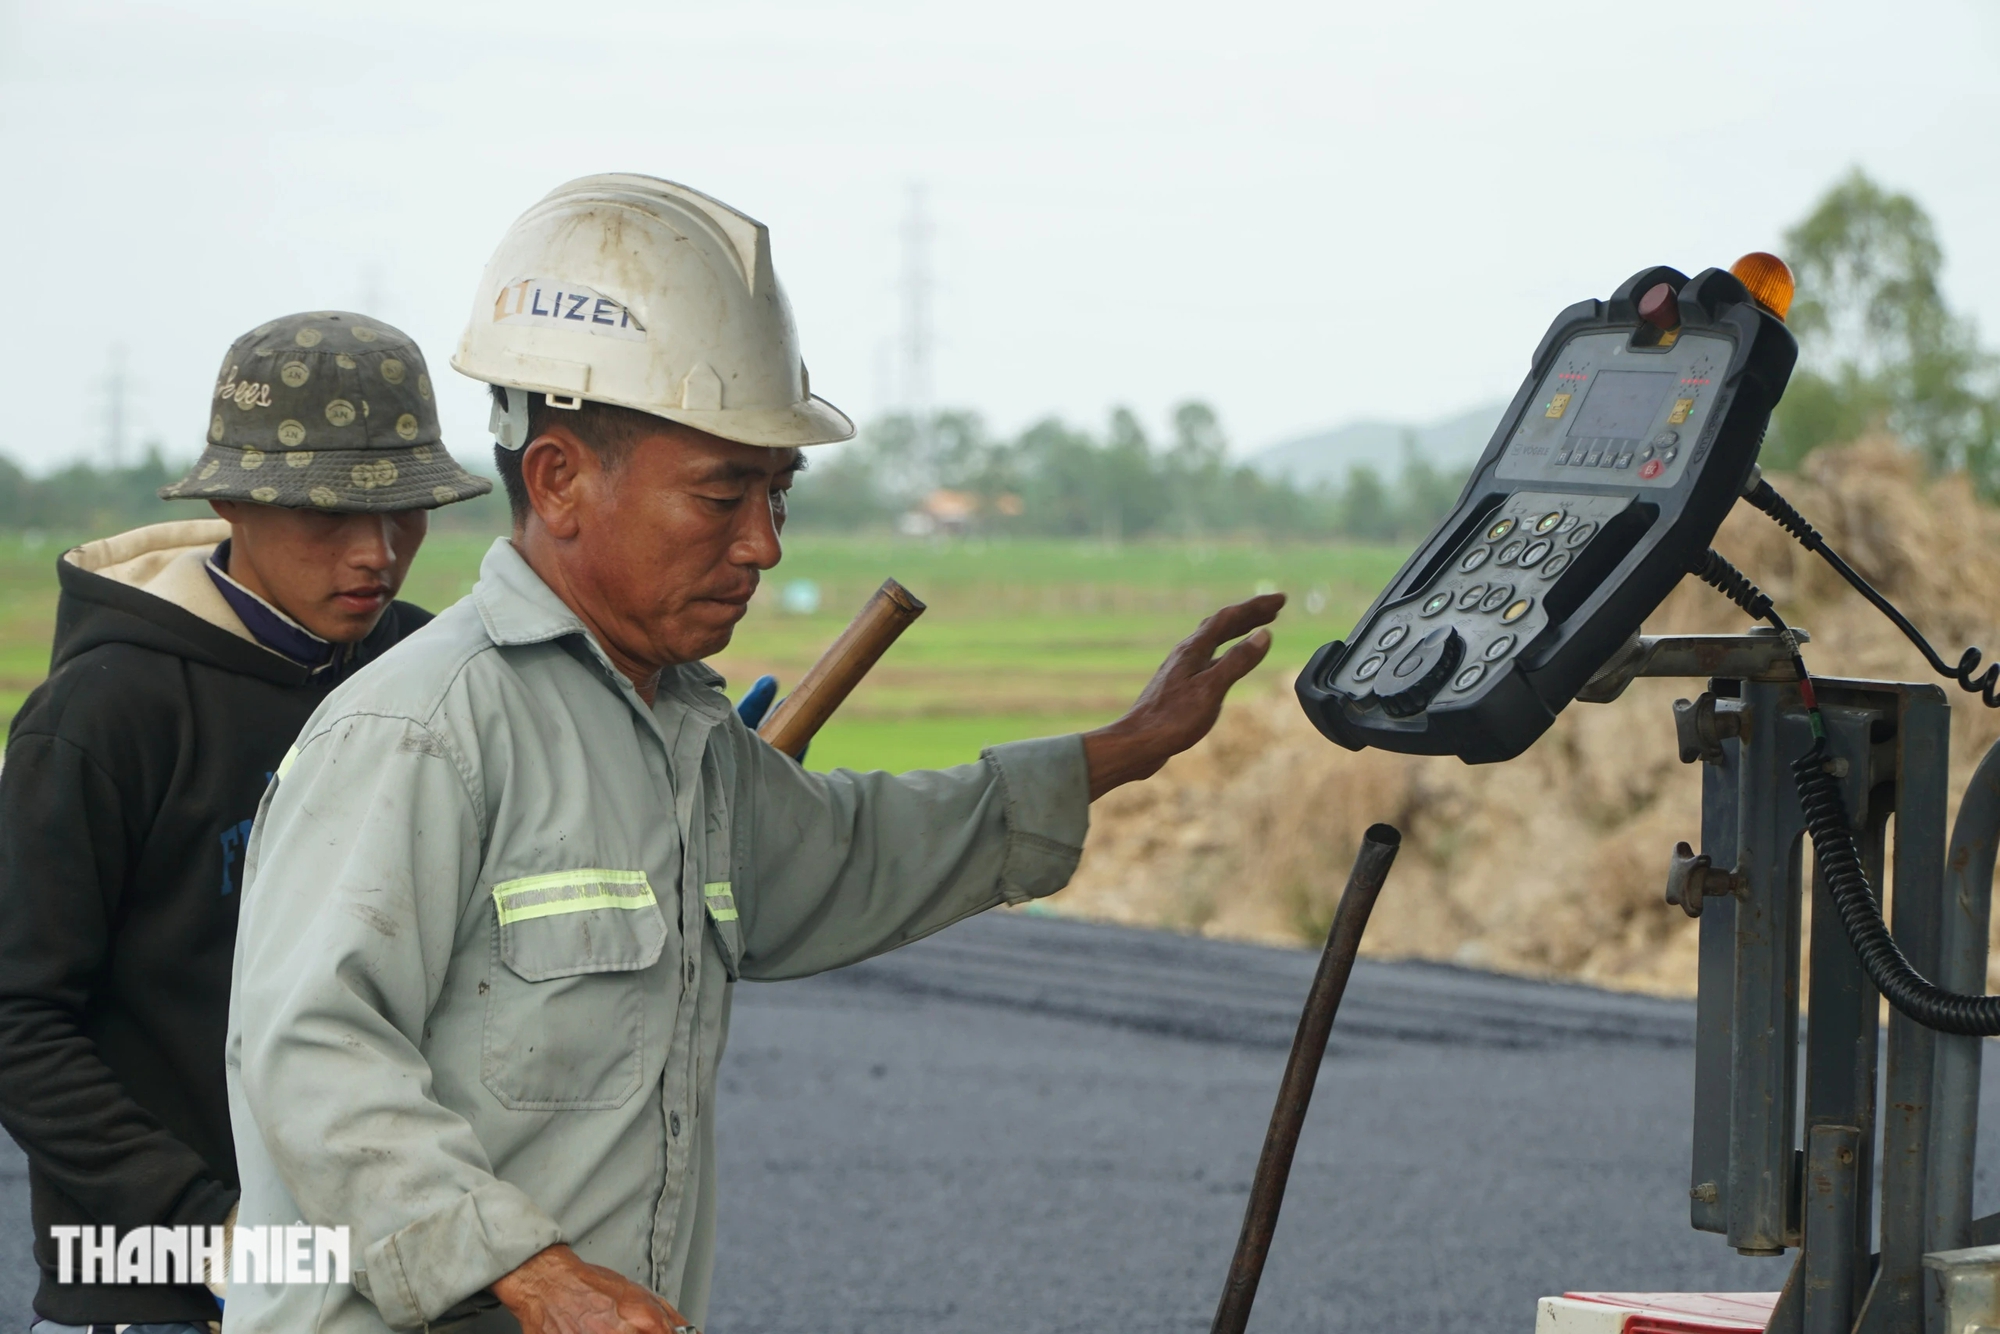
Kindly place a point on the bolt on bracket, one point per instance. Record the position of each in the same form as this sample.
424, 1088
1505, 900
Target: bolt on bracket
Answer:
1691, 879
1702, 724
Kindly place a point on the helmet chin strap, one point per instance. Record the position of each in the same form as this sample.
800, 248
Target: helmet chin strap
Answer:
510, 424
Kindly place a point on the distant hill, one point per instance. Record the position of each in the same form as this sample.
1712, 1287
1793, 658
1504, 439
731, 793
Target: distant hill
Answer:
1327, 455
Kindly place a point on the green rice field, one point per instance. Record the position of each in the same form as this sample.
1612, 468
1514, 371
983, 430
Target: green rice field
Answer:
1022, 639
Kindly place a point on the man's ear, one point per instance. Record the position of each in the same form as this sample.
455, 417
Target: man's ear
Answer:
229, 511
557, 469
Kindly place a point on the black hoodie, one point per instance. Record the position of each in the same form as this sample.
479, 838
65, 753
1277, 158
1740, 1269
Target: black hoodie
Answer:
131, 778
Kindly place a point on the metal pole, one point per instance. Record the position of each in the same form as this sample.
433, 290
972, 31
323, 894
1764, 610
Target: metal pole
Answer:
1274, 1166
1966, 906
1828, 1261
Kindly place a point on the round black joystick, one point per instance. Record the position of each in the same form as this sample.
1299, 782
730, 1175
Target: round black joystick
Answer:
1409, 686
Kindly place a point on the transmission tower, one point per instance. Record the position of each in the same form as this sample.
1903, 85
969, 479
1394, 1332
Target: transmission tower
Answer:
117, 388
917, 331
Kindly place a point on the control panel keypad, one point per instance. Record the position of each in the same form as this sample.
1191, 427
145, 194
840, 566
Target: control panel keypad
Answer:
1490, 594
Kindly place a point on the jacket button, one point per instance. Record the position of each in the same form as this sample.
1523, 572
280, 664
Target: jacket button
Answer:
674, 1123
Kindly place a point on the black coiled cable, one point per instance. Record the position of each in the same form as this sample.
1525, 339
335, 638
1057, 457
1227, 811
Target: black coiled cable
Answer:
1966, 671
1732, 583
1839, 860
1847, 885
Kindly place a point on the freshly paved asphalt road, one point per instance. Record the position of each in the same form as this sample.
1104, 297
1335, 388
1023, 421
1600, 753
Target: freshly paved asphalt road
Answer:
1032, 1125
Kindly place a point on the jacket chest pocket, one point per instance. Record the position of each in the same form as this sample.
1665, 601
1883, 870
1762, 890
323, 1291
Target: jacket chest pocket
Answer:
565, 1020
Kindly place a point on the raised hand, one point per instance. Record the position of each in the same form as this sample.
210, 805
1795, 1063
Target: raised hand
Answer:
1182, 701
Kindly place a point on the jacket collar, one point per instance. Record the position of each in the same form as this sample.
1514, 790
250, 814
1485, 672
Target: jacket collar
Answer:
516, 607
272, 628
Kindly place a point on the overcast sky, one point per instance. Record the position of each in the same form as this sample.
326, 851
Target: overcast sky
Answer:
1302, 212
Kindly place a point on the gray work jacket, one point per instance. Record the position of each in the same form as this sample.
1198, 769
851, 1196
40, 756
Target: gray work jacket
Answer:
492, 909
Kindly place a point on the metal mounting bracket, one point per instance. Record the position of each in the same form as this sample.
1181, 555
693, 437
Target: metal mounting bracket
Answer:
1760, 655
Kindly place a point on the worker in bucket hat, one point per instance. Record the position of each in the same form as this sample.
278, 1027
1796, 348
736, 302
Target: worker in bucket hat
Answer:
187, 656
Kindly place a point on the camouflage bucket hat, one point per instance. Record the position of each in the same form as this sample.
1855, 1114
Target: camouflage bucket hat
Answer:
327, 410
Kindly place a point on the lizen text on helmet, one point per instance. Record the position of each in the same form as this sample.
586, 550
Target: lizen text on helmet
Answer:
542, 301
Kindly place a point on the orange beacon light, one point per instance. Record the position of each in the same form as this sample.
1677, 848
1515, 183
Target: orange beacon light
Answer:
1769, 280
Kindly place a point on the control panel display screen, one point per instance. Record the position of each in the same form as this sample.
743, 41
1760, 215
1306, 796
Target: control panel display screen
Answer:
1623, 405
1610, 413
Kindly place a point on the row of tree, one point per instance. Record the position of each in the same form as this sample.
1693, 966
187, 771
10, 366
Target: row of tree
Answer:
1881, 349
1054, 479
86, 500
1051, 479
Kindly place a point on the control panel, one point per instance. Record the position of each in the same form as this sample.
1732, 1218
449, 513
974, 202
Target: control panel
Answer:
1634, 432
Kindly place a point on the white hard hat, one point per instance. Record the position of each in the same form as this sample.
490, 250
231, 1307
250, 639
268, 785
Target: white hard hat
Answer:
642, 293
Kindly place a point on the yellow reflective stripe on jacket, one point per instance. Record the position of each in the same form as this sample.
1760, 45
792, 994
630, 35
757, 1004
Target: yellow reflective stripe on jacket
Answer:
721, 903
285, 765
583, 890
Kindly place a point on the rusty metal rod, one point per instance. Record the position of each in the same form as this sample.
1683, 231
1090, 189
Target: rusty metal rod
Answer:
829, 681
1281, 1141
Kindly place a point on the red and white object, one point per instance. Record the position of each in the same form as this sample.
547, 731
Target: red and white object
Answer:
1655, 1313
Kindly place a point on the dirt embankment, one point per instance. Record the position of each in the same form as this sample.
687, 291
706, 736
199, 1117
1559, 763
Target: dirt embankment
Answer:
1552, 864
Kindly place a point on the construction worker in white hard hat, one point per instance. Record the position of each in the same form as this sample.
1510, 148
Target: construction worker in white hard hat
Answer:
502, 887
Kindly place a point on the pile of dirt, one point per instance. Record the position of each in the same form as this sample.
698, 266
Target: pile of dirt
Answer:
1553, 864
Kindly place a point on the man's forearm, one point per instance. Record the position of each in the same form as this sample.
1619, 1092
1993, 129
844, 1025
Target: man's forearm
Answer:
63, 857
846, 865
81, 1128
1117, 755
352, 1128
